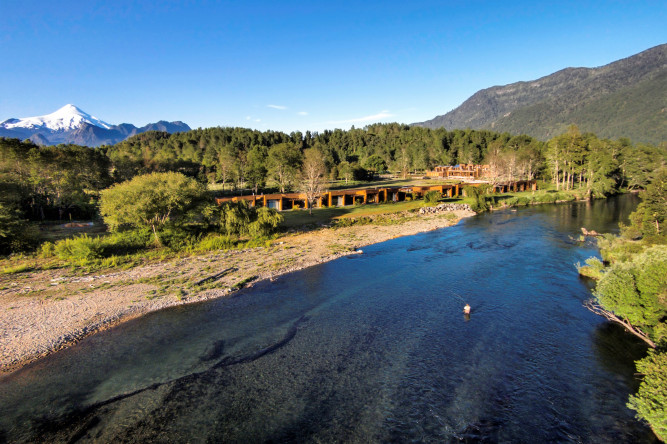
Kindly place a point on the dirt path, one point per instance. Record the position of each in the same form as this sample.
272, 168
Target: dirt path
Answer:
44, 311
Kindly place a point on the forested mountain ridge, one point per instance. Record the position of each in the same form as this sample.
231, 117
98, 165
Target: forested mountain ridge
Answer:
72, 125
626, 98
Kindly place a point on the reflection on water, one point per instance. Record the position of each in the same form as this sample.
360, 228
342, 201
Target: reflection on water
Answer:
372, 347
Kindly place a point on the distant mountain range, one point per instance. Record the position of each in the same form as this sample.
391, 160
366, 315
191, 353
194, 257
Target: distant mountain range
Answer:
626, 98
70, 124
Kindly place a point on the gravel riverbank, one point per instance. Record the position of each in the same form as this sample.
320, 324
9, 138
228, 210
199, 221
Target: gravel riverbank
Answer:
44, 311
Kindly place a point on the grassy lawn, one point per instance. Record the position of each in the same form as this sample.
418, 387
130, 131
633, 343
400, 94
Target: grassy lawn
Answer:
298, 218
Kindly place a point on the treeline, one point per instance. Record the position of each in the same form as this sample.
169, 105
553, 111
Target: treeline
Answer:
46, 183
63, 181
52, 182
237, 157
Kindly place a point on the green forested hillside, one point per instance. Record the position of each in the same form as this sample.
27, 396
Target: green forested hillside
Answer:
639, 112
626, 98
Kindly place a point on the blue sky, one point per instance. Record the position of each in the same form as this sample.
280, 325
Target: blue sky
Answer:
289, 66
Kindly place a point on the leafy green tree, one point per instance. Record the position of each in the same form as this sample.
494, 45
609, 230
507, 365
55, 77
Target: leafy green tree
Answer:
345, 171
432, 197
601, 168
52, 179
478, 196
255, 168
284, 163
375, 164
266, 222
236, 217
240, 219
650, 402
639, 163
227, 158
653, 208
563, 155
635, 291
14, 236
152, 200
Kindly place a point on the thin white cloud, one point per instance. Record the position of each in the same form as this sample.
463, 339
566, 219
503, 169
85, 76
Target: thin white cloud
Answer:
247, 117
381, 115
303, 113
276, 107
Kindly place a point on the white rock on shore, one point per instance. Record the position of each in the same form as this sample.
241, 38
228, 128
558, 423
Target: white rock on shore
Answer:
444, 207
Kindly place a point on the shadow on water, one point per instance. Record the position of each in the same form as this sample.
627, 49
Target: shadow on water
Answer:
364, 349
617, 350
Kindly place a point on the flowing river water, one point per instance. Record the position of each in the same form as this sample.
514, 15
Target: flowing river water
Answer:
367, 348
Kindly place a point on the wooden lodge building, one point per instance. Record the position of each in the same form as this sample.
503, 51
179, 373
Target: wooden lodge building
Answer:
462, 171
519, 185
342, 198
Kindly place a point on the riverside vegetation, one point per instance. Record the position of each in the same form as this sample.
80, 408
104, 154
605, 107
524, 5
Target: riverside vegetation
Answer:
631, 289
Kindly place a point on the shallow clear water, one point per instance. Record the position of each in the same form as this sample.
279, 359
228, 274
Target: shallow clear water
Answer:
371, 347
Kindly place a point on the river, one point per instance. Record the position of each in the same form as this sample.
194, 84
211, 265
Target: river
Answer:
367, 348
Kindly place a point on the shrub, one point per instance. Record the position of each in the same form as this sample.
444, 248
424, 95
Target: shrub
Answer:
178, 239
432, 197
47, 250
266, 222
129, 241
485, 188
239, 218
235, 217
112, 262
480, 202
349, 221
650, 403
634, 290
567, 197
81, 249
546, 198
215, 242
258, 242
593, 268
16, 234
152, 200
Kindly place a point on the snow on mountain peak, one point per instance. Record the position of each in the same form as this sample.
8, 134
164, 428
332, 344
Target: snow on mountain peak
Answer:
67, 118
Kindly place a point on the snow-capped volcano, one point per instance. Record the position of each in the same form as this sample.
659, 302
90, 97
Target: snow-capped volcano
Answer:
67, 118
71, 124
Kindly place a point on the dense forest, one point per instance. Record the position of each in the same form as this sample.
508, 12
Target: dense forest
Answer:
59, 182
